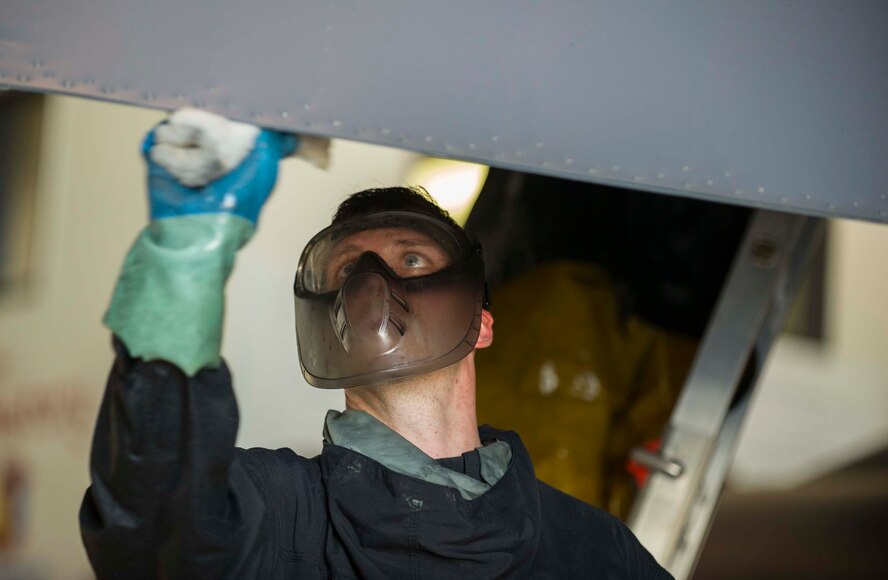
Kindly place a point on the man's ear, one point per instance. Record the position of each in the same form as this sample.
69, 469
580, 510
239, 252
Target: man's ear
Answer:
485, 337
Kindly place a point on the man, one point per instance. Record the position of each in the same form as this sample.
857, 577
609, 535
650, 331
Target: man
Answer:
390, 305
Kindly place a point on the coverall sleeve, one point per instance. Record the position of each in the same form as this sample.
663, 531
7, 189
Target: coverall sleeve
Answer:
171, 496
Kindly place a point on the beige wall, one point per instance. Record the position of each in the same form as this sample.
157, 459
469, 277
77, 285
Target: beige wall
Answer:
53, 348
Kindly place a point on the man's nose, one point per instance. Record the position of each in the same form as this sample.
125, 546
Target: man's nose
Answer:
370, 261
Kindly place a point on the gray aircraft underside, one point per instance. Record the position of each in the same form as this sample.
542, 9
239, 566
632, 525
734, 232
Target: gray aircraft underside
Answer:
774, 104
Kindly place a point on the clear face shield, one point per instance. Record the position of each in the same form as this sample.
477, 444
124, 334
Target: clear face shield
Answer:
386, 296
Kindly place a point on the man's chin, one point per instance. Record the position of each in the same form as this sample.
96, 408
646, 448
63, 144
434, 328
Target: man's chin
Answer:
446, 375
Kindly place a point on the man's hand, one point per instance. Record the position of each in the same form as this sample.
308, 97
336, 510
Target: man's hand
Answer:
201, 163
208, 179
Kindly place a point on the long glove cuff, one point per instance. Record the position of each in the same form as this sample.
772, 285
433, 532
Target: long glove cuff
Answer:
169, 301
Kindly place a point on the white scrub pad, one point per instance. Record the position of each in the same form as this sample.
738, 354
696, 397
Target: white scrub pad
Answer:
198, 147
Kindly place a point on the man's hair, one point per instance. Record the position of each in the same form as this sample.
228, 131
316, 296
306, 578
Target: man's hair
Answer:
376, 200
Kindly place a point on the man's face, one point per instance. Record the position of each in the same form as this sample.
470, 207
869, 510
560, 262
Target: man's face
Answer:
407, 252
418, 316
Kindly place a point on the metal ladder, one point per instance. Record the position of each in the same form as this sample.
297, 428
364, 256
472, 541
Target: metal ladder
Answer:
673, 512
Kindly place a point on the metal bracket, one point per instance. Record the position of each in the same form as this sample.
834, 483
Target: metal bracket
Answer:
672, 514
656, 462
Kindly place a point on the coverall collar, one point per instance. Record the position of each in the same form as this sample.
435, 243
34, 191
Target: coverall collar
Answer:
361, 432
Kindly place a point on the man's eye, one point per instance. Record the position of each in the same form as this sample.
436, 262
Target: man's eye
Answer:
414, 261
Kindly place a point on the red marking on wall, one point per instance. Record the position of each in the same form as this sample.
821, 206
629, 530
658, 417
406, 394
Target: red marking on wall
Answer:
46, 408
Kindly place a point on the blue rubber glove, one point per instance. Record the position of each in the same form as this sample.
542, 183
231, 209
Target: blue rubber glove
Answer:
241, 192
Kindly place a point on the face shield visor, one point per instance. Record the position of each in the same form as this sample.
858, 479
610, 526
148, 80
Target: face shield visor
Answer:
386, 296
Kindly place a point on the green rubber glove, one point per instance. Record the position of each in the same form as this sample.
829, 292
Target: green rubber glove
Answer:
170, 298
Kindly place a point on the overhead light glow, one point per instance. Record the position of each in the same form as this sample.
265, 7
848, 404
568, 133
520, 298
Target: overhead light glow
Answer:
455, 185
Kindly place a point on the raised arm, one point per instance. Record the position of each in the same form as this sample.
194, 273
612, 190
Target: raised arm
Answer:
170, 496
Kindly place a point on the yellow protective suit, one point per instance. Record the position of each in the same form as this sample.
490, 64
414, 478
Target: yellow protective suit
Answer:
580, 383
